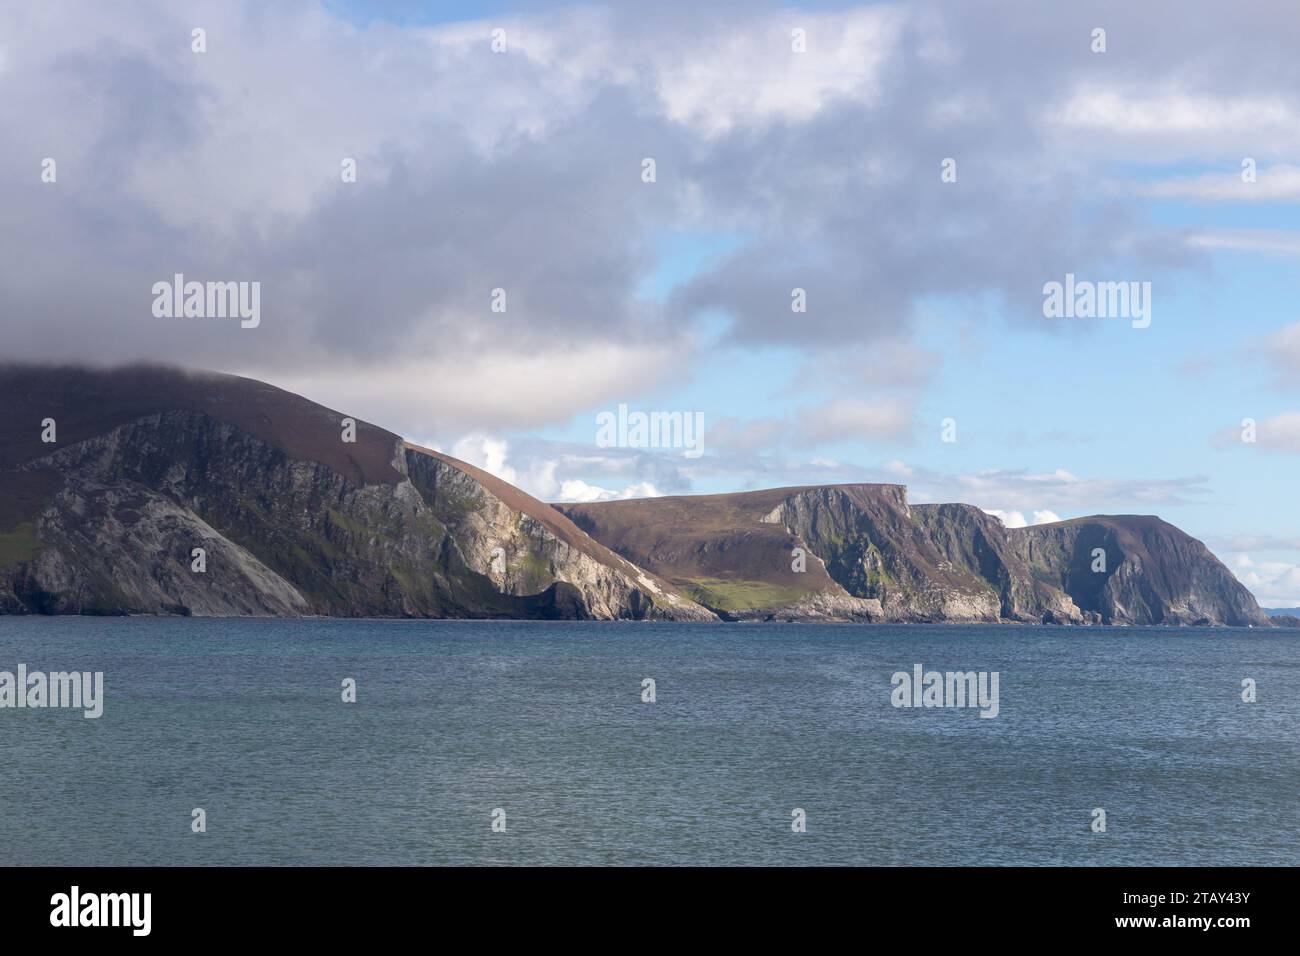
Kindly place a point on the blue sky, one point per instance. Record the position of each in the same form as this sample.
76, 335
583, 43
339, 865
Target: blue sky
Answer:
776, 168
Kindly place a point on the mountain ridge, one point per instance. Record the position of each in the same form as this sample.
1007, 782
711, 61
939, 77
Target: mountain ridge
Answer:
925, 562
150, 462
301, 510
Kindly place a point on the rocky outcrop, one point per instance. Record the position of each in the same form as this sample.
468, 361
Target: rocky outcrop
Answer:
1136, 569
831, 606
978, 544
122, 549
875, 548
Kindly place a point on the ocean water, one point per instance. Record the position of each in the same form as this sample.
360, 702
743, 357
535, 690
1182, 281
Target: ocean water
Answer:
545, 721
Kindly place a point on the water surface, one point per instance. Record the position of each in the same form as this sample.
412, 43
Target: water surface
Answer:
455, 719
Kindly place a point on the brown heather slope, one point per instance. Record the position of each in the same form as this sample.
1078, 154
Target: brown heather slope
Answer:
88, 402
152, 462
733, 552
716, 548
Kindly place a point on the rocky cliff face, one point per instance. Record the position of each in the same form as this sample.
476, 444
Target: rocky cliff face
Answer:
978, 544
875, 548
948, 562
108, 522
145, 468
1136, 569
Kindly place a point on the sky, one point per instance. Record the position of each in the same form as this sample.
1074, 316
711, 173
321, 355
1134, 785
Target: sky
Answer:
921, 171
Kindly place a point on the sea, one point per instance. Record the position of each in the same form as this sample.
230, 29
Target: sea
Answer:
347, 742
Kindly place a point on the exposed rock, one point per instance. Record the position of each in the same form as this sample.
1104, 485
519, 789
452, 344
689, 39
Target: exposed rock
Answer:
1150, 572
949, 562
978, 543
293, 519
151, 463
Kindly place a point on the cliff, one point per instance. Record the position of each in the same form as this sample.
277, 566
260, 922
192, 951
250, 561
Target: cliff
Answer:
149, 464
110, 481
1151, 572
872, 556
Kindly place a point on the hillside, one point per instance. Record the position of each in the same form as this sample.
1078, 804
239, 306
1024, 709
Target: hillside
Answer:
150, 463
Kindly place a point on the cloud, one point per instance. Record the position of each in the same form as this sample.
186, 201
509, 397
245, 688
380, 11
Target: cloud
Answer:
1280, 433
537, 477
1257, 542
752, 76
564, 471
487, 388
1046, 494
1176, 113
1272, 241
891, 364
1014, 519
743, 443
521, 171
1274, 583
1282, 351
580, 491
732, 437
852, 420
1278, 183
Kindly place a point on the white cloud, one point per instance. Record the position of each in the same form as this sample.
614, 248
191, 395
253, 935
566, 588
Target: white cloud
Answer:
1012, 519
750, 75
1274, 583
853, 420
474, 388
492, 454
1257, 542
1282, 349
543, 469
1051, 493
1280, 183
1128, 112
485, 452
1280, 433
1015, 519
579, 491
1278, 241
